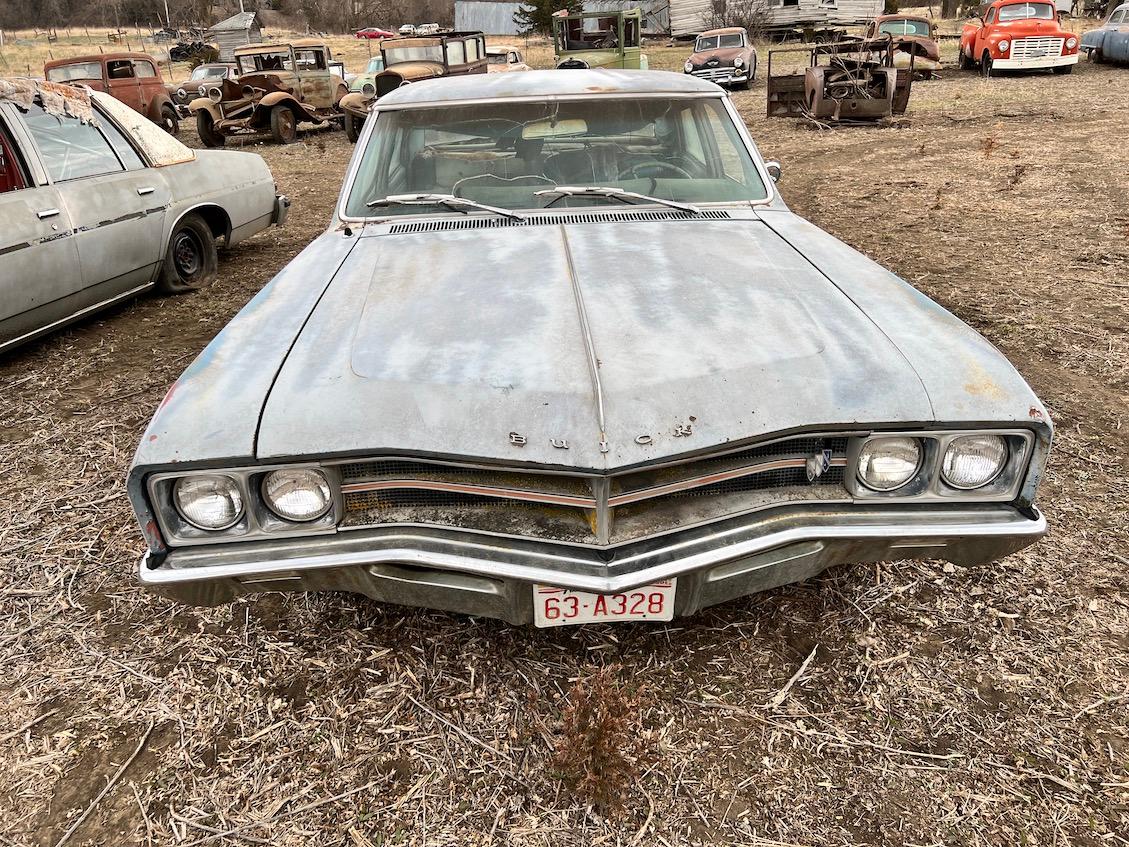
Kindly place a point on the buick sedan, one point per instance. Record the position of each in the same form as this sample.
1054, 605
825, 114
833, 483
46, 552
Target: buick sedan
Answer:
565, 355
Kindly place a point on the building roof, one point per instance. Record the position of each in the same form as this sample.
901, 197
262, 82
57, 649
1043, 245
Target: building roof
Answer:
236, 23
541, 84
725, 30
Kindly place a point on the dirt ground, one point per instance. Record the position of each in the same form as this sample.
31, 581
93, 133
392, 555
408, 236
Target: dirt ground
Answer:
941, 704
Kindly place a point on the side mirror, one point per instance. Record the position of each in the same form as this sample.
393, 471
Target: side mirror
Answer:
774, 170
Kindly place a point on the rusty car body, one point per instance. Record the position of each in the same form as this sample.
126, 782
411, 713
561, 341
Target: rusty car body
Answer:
1110, 41
413, 59
502, 58
184, 92
677, 382
847, 81
725, 56
914, 41
280, 85
132, 78
99, 205
609, 38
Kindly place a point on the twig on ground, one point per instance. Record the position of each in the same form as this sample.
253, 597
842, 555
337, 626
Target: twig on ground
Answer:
16, 732
782, 694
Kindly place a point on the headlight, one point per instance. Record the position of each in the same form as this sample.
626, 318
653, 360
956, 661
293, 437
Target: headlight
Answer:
888, 463
208, 501
738, 62
972, 461
202, 91
368, 89
248, 92
1071, 43
301, 494
688, 67
181, 93
215, 95
1003, 45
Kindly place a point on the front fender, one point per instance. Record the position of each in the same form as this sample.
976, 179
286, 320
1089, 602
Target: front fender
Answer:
356, 104
205, 104
276, 98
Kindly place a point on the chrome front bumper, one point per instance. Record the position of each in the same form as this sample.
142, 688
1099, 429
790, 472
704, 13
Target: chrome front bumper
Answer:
1034, 62
493, 577
281, 210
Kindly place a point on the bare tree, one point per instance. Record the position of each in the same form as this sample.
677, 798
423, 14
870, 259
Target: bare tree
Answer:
753, 15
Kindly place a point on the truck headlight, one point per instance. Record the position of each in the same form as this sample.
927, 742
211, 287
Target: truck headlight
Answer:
885, 464
972, 461
1071, 43
688, 67
208, 501
215, 95
1003, 45
298, 494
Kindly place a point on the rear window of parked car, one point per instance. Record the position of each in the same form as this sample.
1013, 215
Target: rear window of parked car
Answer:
79, 70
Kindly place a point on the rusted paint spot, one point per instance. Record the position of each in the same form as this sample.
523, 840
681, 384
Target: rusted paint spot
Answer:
981, 383
1035, 413
169, 394
152, 438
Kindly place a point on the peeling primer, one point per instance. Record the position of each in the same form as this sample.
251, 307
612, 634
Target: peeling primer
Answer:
158, 146
55, 98
981, 384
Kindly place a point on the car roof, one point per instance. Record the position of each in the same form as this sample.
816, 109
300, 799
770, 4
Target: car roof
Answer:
557, 83
98, 57
725, 30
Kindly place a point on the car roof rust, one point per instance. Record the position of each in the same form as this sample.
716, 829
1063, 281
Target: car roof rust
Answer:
725, 30
273, 46
98, 57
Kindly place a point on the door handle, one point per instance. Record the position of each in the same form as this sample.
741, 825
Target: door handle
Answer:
148, 189
47, 213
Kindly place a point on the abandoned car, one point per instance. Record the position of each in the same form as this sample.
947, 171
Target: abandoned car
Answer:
99, 205
604, 39
914, 42
280, 85
501, 58
1017, 35
413, 59
724, 56
184, 92
742, 403
1110, 41
132, 78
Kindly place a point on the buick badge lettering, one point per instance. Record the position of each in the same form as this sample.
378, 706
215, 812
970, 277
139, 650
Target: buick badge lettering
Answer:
817, 463
559, 443
604, 447
683, 430
516, 438
643, 439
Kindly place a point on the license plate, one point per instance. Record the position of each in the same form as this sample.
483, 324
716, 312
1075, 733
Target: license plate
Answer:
562, 607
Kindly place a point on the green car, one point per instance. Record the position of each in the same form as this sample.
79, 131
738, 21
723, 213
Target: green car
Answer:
599, 40
375, 66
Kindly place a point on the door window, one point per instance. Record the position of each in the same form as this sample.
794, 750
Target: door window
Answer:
456, 55
309, 60
11, 174
119, 69
70, 149
1118, 17
991, 16
143, 69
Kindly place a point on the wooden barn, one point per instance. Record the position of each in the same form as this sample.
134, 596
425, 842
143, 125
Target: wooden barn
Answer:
240, 29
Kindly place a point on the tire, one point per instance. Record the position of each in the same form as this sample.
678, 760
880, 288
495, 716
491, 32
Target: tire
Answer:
963, 62
283, 124
190, 260
170, 123
986, 66
353, 127
1063, 69
206, 129
1096, 56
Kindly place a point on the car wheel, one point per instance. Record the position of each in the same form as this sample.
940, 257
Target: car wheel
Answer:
206, 129
963, 62
190, 261
283, 124
169, 121
1063, 69
1096, 56
986, 66
353, 127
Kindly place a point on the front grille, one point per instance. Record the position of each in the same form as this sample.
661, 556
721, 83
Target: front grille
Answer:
592, 509
1036, 47
478, 222
721, 72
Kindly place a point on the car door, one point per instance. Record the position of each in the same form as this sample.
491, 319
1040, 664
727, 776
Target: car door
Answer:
122, 84
39, 269
982, 34
117, 204
1116, 45
149, 84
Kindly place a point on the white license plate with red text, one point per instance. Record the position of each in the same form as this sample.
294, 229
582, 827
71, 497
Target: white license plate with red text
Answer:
562, 606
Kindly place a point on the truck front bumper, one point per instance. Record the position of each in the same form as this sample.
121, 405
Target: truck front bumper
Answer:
492, 576
1034, 63
281, 210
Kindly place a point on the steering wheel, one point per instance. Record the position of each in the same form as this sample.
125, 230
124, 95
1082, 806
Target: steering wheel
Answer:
662, 167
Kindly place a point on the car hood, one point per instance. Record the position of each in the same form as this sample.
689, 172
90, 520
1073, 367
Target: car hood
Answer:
722, 54
536, 345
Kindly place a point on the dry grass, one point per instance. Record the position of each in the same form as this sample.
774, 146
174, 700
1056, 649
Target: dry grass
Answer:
944, 705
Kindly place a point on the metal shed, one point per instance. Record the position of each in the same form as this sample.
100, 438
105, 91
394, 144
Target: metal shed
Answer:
496, 17
240, 29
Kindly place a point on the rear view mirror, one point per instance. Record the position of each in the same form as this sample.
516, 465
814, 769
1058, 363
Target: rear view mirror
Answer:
539, 130
774, 170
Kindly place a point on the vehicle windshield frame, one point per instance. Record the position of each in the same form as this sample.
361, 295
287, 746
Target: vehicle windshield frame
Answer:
901, 26
741, 130
1029, 4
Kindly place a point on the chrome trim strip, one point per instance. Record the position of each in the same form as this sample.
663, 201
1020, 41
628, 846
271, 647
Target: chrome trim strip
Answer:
586, 331
481, 490
27, 336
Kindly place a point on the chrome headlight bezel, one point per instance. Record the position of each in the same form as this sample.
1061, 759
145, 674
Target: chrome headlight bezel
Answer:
873, 444
955, 443
183, 510
324, 490
688, 67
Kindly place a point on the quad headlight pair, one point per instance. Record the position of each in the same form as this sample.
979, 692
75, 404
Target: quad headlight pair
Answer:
214, 502
968, 462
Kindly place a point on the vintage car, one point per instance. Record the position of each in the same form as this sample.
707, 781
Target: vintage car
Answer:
406, 30
1110, 41
374, 32
724, 56
501, 58
413, 59
280, 85
184, 92
605, 39
914, 42
1017, 35
99, 204
133, 78
678, 392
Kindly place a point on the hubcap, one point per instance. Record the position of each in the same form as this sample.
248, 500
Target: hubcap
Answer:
187, 255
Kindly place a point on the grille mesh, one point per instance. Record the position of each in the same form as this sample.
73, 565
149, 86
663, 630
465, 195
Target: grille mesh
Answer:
1031, 48
476, 222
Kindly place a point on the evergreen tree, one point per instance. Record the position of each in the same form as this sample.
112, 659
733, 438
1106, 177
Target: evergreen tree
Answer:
535, 17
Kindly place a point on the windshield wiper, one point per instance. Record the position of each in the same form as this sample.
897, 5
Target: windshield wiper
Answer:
448, 200
614, 193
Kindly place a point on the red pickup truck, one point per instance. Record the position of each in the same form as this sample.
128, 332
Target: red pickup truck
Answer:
1015, 35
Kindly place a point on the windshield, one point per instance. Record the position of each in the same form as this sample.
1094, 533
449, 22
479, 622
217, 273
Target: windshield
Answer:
905, 27
203, 72
496, 58
414, 53
680, 149
81, 70
713, 42
275, 61
1024, 11
375, 65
